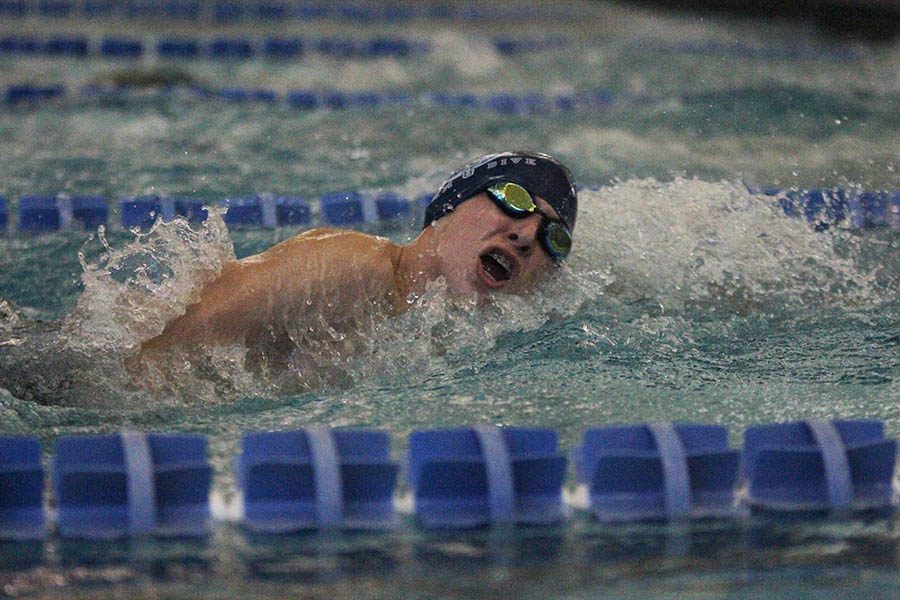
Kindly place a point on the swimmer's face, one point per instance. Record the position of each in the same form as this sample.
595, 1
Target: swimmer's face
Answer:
483, 250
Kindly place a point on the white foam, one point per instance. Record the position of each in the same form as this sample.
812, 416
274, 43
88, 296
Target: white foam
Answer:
468, 55
677, 244
688, 240
131, 292
226, 508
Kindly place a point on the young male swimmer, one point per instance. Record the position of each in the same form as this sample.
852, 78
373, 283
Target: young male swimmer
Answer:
499, 224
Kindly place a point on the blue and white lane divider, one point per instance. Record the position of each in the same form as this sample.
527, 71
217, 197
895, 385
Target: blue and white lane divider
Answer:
236, 11
505, 103
235, 48
32, 94
127, 484
47, 213
486, 475
40, 214
21, 489
44, 214
245, 48
863, 209
343, 209
658, 471
317, 478
819, 466
4, 214
131, 483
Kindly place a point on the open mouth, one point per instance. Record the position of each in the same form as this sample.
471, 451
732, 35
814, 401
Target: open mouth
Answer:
497, 266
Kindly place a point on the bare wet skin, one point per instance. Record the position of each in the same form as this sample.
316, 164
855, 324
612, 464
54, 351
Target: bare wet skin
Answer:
295, 313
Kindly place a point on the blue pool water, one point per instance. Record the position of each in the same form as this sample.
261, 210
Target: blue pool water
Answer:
687, 298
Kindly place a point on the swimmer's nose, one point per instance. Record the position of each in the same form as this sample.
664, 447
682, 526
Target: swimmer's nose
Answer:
523, 236
521, 245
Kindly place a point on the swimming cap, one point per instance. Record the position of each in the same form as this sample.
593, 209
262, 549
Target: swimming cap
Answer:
540, 174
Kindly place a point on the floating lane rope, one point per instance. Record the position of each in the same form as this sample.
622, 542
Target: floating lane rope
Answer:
222, 11
524, 103
822, 208
129, 484
245, 48
242, 47
821, 466
227, 48
658, 471
21, 489
486, 475
316, 478
113, 486
503, 103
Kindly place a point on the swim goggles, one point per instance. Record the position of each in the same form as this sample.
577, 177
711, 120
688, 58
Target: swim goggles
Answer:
515, 201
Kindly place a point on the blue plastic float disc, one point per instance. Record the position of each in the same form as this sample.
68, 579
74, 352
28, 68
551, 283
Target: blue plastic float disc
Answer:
21, 489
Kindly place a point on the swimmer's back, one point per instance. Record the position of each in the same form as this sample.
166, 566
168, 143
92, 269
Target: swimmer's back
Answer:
324, 275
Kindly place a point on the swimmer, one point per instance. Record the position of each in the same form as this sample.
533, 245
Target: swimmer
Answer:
498, 225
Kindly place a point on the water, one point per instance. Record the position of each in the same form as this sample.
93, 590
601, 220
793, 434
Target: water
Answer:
687, 298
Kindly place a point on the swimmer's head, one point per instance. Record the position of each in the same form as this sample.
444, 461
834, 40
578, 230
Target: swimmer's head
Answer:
502, 222
541, 175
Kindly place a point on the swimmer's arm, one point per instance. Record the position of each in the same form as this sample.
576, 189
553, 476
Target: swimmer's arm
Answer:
325, 272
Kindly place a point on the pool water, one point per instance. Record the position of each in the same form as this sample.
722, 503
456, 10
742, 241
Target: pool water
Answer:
687, 297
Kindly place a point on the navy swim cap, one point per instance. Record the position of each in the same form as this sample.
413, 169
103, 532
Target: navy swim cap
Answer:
540, 174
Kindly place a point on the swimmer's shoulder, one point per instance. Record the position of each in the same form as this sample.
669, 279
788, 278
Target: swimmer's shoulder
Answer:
333, 243
343, 257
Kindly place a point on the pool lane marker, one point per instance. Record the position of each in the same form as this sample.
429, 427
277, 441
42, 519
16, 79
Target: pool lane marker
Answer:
315, 478
43, 214
506, 103
819, 466
486, 476
239, 48
120, 485
657, 471
21, 490
132, 483
268, 12
140, 482
281, 48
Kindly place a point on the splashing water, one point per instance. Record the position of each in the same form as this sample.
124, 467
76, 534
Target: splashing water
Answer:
683, 250
688, 242
676, 253
132, 292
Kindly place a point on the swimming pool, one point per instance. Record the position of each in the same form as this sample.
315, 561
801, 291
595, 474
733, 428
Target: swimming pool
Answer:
688, 298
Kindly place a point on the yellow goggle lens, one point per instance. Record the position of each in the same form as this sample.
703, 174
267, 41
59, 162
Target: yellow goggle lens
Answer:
515, 197
559, 240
